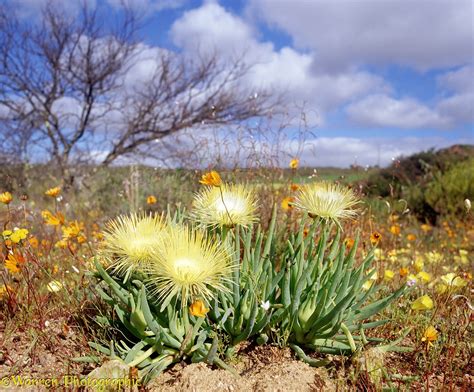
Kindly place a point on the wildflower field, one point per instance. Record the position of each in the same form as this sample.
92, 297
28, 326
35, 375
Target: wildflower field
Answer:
270, 279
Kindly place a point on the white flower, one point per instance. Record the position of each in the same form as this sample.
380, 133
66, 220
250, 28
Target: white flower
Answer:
265, 305
467, 204
54, 286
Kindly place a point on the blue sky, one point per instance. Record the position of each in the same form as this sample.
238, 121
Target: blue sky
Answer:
379, 78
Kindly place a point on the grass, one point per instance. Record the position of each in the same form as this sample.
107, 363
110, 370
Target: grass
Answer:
31, 313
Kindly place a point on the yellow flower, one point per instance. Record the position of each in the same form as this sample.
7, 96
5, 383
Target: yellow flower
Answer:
61, 244
7, 233
54, 286
388, 275
18, 235
375, 238
430, 335
81, 239
13, 262
4, 290
53, 192
228, 205
72, 230
422, 303
368, 284
186, 265
128, 241
411, 237
326, 200
426, 228
395, 229
212, 178
418, 264
53, 220
425, 277
433, 257
453, 281
6, 197
198, 309
294, 163
462, 258
287, 203
378, 254
150, 200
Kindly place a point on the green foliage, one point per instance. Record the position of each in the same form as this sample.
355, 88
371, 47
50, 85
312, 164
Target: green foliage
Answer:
447, 192
309, 297
417, 169
159, 338
423, 181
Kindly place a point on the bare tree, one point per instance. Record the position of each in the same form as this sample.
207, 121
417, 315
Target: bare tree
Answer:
67, 89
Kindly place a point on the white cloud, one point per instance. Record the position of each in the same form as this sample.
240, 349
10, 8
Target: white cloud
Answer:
148, 6
211, 28
458, 102
379, 110
422, 34
460, 80
344, 151
459, 108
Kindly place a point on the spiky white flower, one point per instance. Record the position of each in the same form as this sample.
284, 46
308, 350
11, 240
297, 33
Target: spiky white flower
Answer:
326, 200
186, 266
227, 205
129, 240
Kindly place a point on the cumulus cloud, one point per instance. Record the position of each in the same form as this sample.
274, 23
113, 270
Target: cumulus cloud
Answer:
458, 102
379, 110
459, 80
210, 28
420, 34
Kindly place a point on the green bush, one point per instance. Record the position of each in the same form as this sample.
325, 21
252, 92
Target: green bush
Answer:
447, 192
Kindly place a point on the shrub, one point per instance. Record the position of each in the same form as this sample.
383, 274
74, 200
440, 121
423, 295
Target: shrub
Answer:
312, 296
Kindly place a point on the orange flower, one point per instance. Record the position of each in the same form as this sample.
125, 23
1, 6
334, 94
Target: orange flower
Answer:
395, 229
403, 272
150, 200
287, 203
411, 237
13, 262
53, 192
375, 237
294, 187
53, 220
294, 163
349, 242
34, 242
212, 178
6, 198
198, 309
